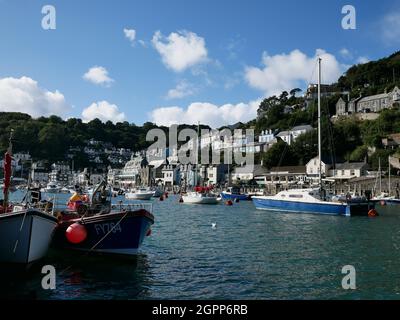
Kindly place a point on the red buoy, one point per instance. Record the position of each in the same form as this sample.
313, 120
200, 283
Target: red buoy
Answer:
166, 195
148, 233
373, 213
76, 233
229, 203
162, 198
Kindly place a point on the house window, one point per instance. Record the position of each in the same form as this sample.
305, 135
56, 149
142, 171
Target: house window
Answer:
353, 172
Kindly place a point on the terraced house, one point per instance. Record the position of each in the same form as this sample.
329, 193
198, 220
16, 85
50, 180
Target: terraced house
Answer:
375, 103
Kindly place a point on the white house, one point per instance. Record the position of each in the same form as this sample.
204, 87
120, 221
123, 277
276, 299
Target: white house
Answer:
171, 175
291, 135
312, 168
347, 171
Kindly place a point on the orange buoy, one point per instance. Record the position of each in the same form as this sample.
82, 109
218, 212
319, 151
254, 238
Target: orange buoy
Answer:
373, 213
229, 203
76, 233
148, 233
383, 203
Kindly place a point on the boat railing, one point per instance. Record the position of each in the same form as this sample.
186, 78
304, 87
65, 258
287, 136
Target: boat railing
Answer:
133, 206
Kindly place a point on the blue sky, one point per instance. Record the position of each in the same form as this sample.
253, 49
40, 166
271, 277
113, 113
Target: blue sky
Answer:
210, 61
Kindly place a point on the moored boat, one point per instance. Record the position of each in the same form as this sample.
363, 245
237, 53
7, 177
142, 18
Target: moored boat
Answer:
25, 235
233, 193
139, 194
102, 227
310, 201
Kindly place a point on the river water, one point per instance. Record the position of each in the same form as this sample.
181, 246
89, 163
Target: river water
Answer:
250, 254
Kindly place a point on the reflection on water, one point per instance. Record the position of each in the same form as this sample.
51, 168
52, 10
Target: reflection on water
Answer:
250, 254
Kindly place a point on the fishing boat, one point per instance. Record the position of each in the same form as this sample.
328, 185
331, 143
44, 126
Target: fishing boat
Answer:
25, 231
139, 194
25, 235
233, 193
314, 200
105, 228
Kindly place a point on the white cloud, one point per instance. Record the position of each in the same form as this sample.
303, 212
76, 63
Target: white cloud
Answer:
362, 60
288, 71
345, 53
390, 28
98, 75
130, 34
207, 113
24, 95
180, 50
182, 89
104, 111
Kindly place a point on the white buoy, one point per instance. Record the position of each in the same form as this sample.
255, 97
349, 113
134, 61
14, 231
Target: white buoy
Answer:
214, 225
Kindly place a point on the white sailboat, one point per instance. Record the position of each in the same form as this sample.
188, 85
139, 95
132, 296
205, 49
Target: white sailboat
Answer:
201, 195
314, 200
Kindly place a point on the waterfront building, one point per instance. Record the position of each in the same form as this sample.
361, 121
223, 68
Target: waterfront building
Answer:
313, 169
295, 175
247, 172
39, 173
216, 174
347, 171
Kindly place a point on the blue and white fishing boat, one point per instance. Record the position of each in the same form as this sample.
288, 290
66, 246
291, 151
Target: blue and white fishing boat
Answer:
233, 193
313, 200
105, 228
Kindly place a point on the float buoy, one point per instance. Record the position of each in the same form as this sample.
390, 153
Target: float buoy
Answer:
180, 200
76, 233
161, 198
166, 195
373, 213
229, 203
148, 233
383, 203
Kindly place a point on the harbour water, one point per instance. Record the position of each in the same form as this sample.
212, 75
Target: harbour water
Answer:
248, 254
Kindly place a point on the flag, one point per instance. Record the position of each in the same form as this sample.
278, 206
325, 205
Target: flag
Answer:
7, 173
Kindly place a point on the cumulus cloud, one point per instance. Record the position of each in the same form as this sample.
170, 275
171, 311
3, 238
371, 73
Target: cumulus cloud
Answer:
98, 75
130, 34
24, 95
345, 53
104, 111
180, 50
390, 28
362, 60
287, 71
182, 89
207, 113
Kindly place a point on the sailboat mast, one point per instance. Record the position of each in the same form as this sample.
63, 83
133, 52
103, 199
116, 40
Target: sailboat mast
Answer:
390, 187
197, 154
380, 177
319, 123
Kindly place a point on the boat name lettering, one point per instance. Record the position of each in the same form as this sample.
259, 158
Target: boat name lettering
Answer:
104, 228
